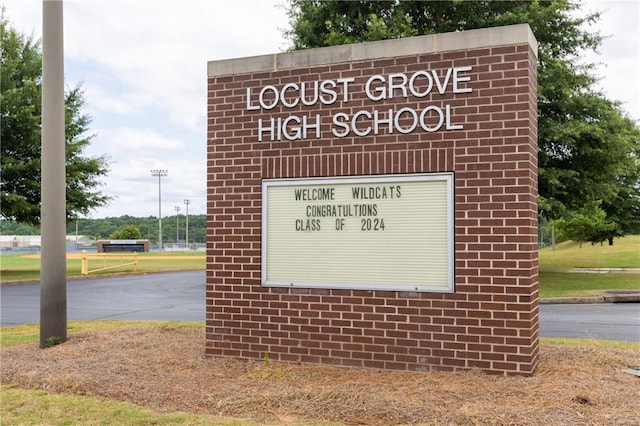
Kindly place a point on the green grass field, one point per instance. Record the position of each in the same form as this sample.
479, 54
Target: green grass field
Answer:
32, 407
624, 253
555, 284
16, 267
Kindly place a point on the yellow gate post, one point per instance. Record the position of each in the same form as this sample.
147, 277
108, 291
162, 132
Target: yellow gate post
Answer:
84, 265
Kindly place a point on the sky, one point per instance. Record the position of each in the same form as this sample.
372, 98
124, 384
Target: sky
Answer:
143, 67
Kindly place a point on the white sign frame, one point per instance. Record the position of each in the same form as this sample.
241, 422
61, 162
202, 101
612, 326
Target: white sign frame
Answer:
446, 272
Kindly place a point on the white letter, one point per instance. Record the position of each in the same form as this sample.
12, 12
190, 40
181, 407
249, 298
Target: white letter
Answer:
412, 82
249, 106
457, 79
275, 94
296, 129
303, 94
402, 85
381, 89
262, 129
332, 93
345, 87
450, 126
283, 95
306, 125
442, 88
377, 121
424, 114
413, 125
340, 124
353, 123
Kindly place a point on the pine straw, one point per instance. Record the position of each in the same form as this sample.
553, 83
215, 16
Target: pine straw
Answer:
163, 368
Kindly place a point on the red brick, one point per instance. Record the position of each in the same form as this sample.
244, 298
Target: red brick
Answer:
490, 322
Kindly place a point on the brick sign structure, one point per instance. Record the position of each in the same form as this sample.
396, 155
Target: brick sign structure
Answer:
375, 205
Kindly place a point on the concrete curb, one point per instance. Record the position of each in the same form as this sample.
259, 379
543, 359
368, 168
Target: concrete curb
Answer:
594, 271
606, 298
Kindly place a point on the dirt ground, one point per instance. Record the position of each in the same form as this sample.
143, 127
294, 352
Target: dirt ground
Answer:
164, 369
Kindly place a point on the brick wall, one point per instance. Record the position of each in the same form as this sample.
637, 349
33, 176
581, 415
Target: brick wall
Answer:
490, 322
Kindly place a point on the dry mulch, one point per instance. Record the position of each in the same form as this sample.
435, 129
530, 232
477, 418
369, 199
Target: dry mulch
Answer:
164, 369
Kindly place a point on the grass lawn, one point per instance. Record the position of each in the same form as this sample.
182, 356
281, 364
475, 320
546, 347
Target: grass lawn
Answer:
624, 253
31, 407
557, 284
18, 267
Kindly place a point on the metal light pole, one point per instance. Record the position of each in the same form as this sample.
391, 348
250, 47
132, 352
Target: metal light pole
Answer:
53, 262
177, 209
76, 217
186, 235
159, 173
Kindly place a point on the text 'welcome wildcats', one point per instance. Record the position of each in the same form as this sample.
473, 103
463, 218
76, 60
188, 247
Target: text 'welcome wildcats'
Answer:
344, 210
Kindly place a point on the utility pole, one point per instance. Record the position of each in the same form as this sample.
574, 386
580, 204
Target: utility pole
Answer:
159, 173
177, 209
186, 235
53, 259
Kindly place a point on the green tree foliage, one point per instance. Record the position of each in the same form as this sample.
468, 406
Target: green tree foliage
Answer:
589, 223
127, 232
588, 149
9, 227
319, 23
20, 113
101, 229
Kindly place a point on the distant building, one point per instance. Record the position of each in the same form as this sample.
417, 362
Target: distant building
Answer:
140, 246
34, 242
20, 242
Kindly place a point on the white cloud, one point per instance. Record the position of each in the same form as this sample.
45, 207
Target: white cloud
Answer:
142, 64
134, 186
619, 54
126, 140
156, 52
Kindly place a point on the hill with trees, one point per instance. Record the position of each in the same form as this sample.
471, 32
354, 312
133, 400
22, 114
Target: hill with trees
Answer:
102, 229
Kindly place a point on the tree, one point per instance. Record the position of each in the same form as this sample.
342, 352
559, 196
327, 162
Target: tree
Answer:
588, 149
20, 113
588, 223
127, 232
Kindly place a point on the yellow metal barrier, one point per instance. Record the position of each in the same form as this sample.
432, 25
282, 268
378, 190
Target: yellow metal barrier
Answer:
84, 268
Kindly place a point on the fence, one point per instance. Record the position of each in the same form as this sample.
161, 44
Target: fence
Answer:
109, 261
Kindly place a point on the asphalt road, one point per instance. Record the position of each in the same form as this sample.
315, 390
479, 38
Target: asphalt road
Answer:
181, 296
166, 296
607, 321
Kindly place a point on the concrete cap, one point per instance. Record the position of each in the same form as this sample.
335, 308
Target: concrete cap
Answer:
462, 40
